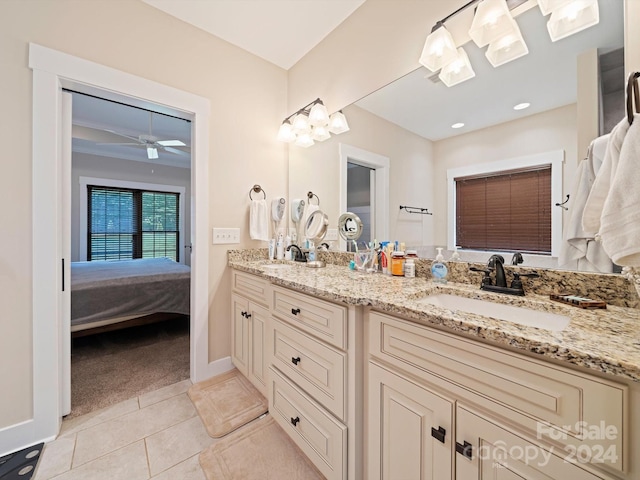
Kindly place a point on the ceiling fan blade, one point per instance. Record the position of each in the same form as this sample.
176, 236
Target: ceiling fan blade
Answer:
171, 143
176, 151
121, 144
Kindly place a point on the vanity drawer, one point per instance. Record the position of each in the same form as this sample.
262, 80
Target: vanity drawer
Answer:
322, 438
251, 286
322, 319
318, 369
554, 403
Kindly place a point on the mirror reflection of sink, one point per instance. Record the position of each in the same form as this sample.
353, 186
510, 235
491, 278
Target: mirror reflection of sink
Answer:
521, 315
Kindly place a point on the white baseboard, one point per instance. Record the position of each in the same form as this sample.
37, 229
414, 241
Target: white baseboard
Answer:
21, 435
217, 367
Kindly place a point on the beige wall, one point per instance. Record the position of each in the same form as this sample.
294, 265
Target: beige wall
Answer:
131, 36
316, 169
85, 165
544, 132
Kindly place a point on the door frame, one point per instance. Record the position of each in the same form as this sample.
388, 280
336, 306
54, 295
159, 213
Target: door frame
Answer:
379, 163
52, 71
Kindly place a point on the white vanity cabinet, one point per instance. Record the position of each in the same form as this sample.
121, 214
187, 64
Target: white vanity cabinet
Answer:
250, 314
308, 356
426, 385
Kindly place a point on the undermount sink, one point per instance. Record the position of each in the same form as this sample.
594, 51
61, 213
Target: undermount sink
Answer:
521, 315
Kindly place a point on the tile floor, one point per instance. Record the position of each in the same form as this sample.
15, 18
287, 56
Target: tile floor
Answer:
158, 435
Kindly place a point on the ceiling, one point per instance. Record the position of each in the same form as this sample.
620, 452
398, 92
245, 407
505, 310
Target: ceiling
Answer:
280, 31
546, 78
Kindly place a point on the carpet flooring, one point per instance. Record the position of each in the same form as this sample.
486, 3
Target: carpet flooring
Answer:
111, 367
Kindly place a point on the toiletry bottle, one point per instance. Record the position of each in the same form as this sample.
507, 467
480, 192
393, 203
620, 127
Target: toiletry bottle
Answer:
397, 263
409, 268
272, 249
455, 256
312, 252
280, 248
439, 268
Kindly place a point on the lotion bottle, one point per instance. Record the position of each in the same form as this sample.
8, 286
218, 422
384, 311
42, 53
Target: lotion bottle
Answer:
280, 248
439, 269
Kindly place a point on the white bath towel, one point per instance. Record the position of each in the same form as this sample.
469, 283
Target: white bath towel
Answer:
602, 183
579, 250
259, 220
620, 222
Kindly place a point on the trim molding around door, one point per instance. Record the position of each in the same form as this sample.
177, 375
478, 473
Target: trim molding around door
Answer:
380, 163
53, 70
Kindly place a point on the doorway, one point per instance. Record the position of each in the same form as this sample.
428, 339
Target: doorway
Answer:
361, 199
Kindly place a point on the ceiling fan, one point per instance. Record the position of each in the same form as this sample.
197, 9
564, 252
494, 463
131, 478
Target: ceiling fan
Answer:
150, 142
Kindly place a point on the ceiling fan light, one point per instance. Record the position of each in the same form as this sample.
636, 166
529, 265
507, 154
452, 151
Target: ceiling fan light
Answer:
457, 71
506, 49
152, 153
320, 133
318, 115
286, 133
572, 18
304, 140
439, 49
338, 123
301, 124
171, 143
491, 21
548, 6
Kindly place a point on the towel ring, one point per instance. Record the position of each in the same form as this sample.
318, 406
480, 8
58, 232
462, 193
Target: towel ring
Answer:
633, 94
257, 188
310, 195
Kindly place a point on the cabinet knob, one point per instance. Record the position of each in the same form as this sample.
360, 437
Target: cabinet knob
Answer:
295, 311
295, 421
438, 434
295, 360
466, 449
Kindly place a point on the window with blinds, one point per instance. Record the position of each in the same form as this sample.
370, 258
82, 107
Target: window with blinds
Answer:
127, 223
509, 210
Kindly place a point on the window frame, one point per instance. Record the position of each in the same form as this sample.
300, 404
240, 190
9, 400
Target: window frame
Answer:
554, 158
106, 182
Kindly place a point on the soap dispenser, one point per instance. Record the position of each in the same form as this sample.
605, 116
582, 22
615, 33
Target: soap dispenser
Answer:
439, 269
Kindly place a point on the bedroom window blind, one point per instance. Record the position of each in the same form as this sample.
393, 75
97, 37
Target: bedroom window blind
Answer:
509, 210
128, 223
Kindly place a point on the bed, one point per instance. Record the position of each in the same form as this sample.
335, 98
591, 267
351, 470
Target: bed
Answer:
106, 295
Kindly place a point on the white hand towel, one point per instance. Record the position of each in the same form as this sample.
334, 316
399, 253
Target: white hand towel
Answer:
602, 183
620, 222
259, 220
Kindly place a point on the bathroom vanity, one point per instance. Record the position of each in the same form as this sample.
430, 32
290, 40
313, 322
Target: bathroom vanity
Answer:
372, 381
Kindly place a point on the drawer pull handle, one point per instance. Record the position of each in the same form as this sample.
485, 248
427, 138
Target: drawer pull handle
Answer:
295, 421
248, 315
295, 360
244, 314
438, 434
466, 450
295, 311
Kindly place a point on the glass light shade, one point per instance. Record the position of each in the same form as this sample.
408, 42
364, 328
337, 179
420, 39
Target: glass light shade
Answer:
548, 6
338, 123
572, 18
491, 21
304, 140
320, 133
318, 115
152, 153
457, 71
505, 49
439, 49
286, 133
301, 124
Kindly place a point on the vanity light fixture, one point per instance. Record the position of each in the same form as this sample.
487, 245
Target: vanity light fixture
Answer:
311, 123
491, 22
439, 48
457, 71
572, 17
506, 48
522, 106
152, 153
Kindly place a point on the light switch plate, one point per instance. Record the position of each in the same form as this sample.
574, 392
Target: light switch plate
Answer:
226, 235
332, 235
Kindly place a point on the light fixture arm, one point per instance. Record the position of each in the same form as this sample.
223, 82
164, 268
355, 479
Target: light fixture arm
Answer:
306, 109
453, 14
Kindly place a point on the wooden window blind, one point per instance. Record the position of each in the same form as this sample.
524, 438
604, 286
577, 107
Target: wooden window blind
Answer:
128, 223
508, 210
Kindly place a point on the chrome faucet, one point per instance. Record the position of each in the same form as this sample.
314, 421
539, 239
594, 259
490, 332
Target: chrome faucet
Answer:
298, 255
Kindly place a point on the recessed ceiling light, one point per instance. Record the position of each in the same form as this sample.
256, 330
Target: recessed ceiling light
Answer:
522, 106
457, 125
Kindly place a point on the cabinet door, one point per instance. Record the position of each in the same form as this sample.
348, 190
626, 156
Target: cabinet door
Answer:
257, 328
490, 451
240, 333
405, 420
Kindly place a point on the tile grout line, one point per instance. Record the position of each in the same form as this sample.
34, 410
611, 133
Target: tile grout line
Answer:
146, 452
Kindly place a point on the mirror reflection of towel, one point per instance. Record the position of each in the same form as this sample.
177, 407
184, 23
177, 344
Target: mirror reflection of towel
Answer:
259, 220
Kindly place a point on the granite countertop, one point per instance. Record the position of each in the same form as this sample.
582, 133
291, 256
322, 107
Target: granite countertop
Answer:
605, 340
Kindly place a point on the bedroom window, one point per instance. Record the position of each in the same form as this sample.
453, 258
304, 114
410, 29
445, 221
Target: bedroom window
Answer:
127, 223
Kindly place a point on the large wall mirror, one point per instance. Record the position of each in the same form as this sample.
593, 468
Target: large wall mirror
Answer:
575, 88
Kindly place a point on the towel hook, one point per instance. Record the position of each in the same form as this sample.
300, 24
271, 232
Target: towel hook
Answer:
310, 195
561, 205
633, 93
257, 188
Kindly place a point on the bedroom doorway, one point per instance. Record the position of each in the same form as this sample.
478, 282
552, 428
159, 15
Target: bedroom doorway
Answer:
130, 250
